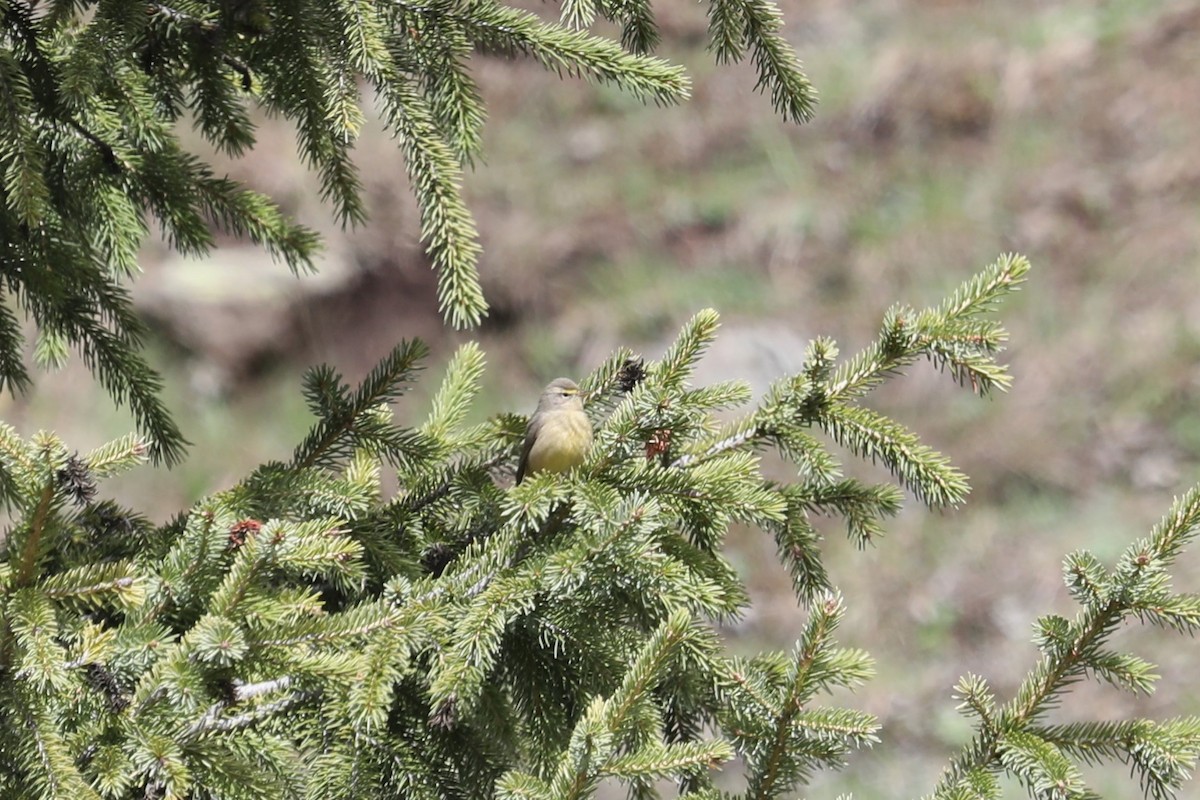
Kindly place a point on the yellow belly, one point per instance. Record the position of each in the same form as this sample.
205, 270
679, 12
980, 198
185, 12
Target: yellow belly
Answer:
562, 442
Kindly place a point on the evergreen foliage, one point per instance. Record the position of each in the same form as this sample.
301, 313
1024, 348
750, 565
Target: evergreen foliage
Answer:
308, 633
305, 634
1015, 737
92, 93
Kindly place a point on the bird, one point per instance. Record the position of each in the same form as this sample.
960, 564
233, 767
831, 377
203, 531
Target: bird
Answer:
558, 434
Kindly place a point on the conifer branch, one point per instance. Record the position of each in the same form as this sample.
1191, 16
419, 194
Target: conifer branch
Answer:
32, 549
659, 649
193, 567
247, 691
90, 592
735, 442
446, 224
345, 422
568, 618
13, 375
770, 777
1007, 737
214, 723
116, 78
106, 150
574, 53
357, 623
901, 344
176, 15
778, 69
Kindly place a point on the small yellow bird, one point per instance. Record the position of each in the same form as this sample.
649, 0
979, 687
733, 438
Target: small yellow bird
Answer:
559, 432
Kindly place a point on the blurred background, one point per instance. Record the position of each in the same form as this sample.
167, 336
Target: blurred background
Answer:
948, 133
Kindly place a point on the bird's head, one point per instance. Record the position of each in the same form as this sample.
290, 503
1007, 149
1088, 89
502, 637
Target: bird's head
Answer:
561, 393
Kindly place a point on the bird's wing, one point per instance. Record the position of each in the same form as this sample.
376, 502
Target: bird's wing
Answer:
531, 433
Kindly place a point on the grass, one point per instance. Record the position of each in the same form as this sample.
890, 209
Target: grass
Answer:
646, 298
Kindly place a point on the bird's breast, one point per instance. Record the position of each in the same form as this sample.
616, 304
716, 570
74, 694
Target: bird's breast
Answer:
562, 442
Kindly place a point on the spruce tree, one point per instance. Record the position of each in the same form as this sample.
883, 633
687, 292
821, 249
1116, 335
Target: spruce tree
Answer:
305, 634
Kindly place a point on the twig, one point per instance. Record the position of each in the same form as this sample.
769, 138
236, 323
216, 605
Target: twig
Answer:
36, 526
245, 691
213, 722
106, 150
726, 444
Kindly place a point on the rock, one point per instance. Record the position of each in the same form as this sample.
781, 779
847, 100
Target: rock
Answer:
233, 309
